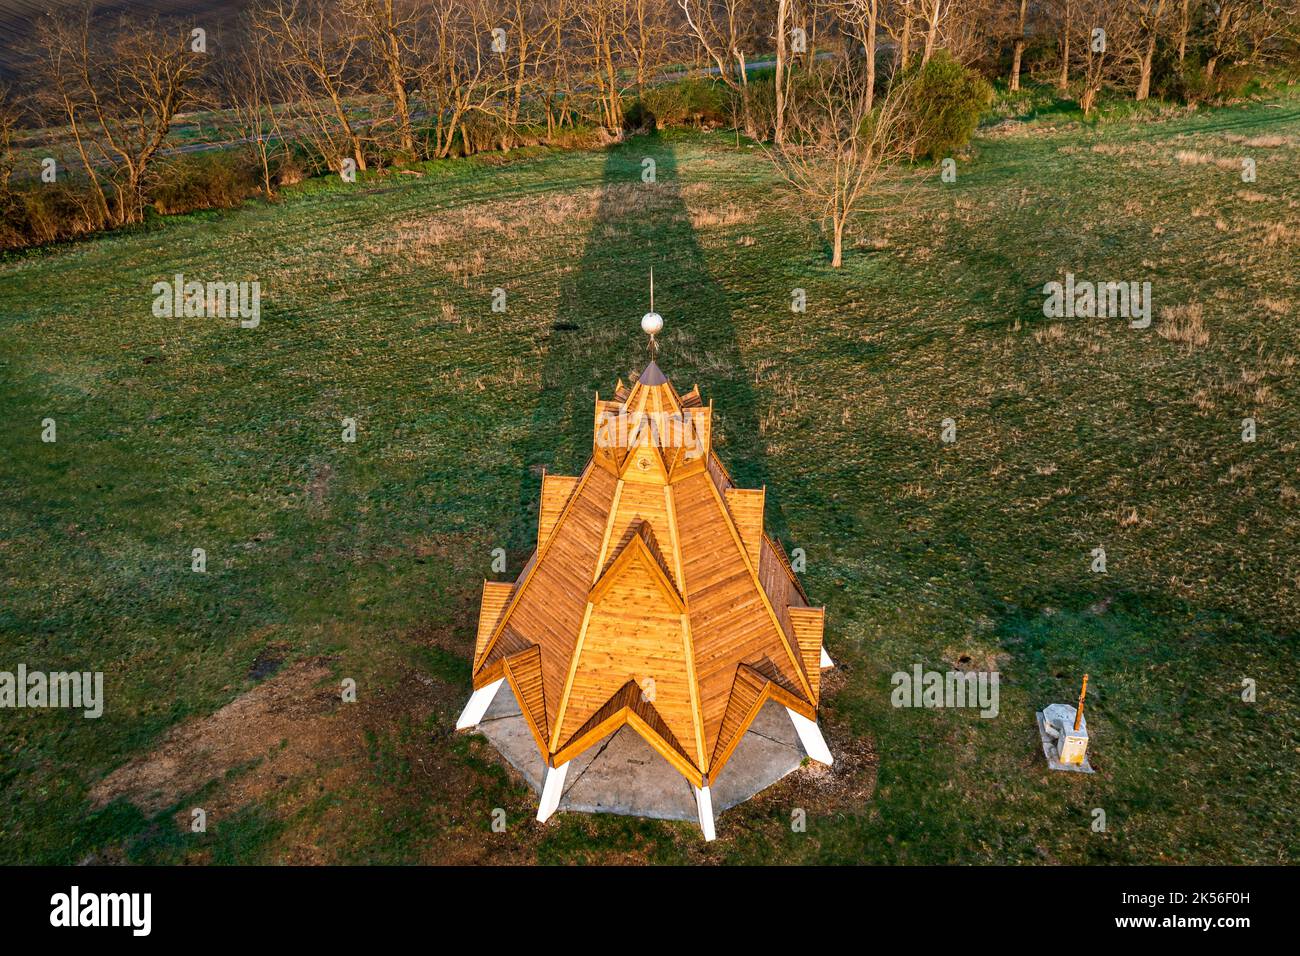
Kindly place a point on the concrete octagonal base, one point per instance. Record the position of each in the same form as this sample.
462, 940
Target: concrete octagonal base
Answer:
623, 774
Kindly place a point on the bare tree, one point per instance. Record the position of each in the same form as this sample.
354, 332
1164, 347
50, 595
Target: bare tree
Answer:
316, 42
721, 28
1144, 20
1184, 28
556, 82
898, 24
649, 26
8, 123
528, 46
860, 20
1097, 31
600, 28
782, 13
389, 27
244, 81
837, 151
460, 76
934, 12
118, 86
1241, 30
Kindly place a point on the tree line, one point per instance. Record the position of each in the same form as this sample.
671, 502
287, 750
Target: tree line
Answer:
305, 86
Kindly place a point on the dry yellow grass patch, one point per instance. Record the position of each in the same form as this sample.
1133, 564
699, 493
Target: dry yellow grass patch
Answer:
288, 724
425, 240
728, 215
1053, 333
1269, 141
1279, 233
1184, 323
466, 266
1193, 157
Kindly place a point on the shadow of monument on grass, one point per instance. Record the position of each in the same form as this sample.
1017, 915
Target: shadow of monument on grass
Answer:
596, 336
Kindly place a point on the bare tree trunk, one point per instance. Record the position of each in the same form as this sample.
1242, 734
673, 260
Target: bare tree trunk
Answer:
932, 30
1221, 30
1019, 49
397, 80
778, 135
860, 20
385, 26
905, 45
350, 134
101, 200
1144, 70
1063, 82
750, 130
1151, 23
120, 87
719, 31
1184, 27
873, 16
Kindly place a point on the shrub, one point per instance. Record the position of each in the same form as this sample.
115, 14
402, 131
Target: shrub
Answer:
582, 136
481, 132
290, 166
947, 100
762, 104
218, 179
33, 214
690, 102
1187, 82
637, 117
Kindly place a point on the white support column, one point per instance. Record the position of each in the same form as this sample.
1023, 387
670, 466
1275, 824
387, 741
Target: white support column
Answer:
826, 659
479, 702
811, 738
704, 804
552, 790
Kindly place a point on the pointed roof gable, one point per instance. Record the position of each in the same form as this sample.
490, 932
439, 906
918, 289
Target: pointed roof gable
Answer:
654, 597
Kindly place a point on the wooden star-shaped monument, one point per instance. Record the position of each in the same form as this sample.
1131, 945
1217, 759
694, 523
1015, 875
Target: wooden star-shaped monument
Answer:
654, 601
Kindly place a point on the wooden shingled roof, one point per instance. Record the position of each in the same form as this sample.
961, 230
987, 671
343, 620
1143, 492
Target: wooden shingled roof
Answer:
654, 598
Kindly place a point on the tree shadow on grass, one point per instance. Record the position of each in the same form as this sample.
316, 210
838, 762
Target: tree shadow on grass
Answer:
595, 336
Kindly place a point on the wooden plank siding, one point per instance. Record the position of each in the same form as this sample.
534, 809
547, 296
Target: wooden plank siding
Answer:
730, 623
809, 623
496, 594
556, 491
746, 507
654, 600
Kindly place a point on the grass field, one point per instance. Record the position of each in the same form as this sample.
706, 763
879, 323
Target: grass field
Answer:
329, 560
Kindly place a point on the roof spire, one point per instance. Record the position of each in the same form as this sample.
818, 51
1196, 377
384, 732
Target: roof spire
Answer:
652, 322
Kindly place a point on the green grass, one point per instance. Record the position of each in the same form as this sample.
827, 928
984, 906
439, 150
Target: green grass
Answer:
183, 433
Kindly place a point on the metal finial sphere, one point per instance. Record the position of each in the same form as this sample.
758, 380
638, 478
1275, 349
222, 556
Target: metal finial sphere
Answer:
652, 323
